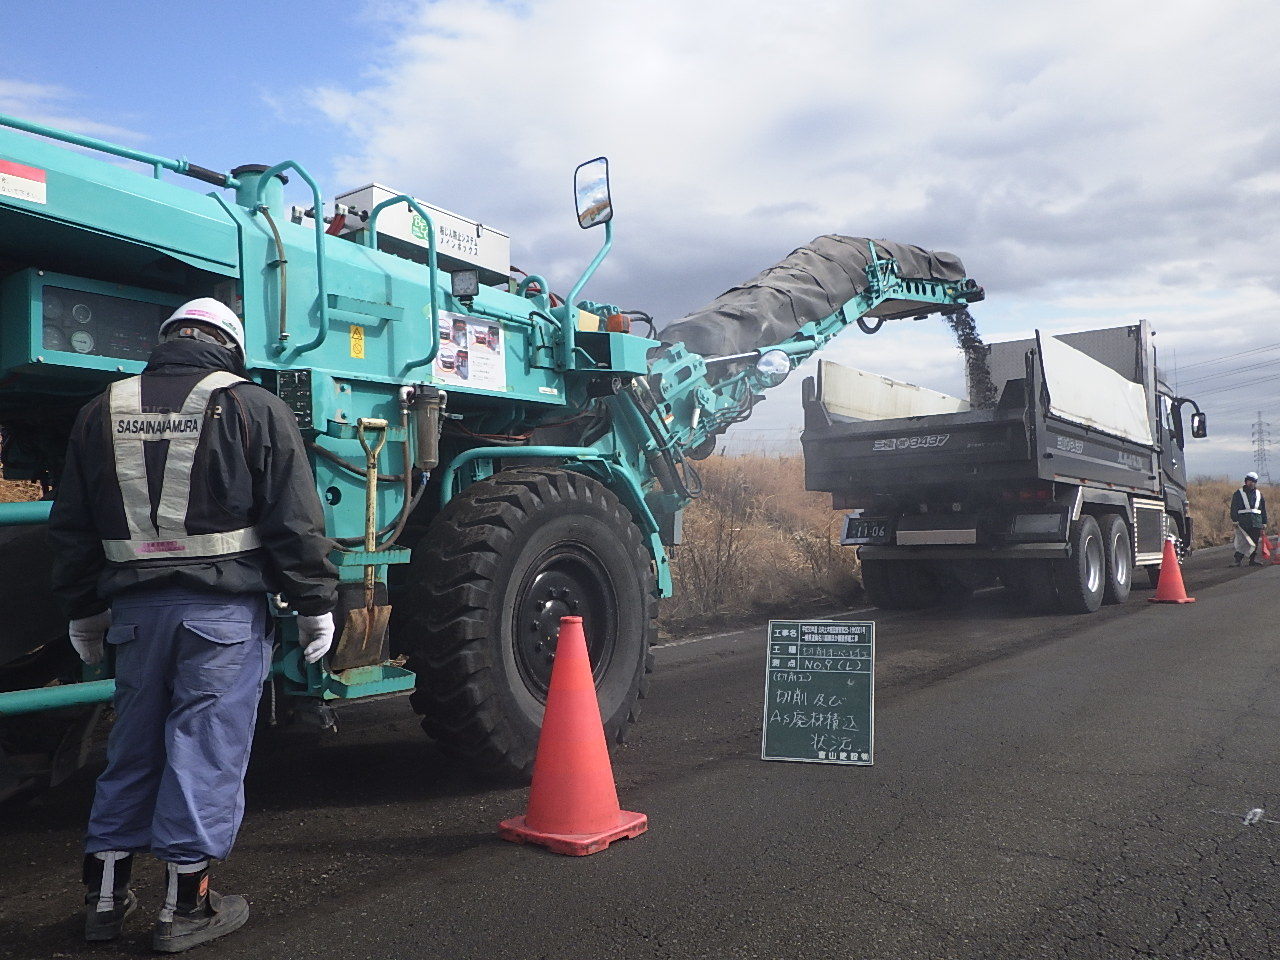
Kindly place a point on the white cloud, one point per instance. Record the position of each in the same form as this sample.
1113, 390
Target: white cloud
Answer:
53, 107
1092, 163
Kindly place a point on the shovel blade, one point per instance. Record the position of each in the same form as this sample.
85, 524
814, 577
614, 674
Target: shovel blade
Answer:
363, 641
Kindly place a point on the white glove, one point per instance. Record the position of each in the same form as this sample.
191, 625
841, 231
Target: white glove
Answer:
86, 635
315, 635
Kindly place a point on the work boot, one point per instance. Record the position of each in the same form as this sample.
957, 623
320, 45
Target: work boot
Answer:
192, 913
108, 901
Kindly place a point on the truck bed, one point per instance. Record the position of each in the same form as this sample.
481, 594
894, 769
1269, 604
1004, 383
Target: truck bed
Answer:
1013, 443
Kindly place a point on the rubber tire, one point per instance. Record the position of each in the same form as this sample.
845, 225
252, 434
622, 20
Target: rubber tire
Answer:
1118, 550
464, 588
1080, 579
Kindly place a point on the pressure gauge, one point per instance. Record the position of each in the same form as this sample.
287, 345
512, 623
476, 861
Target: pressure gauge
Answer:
54, 338
54, 309
82, 341
82, 313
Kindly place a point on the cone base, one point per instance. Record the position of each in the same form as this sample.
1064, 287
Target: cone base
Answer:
575, 844
1183, 600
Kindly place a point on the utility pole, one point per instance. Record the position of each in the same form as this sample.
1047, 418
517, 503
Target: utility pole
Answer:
1261, 440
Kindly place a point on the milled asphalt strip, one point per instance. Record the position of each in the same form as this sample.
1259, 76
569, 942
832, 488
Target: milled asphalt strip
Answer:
730, 633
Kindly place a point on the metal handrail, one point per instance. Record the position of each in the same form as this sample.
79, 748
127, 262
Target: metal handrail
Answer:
371, 240
318, 207
156, 162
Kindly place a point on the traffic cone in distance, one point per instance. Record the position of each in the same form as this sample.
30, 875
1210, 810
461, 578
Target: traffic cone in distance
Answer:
1264, 547
1274, 550
1170, 588
573, 803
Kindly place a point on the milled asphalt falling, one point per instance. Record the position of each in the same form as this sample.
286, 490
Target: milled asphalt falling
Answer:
1058, 787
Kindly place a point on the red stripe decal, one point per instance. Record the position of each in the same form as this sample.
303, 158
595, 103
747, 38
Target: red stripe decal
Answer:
19, 170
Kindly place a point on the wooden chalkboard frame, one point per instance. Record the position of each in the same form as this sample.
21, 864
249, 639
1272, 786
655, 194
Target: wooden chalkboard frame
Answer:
808, 685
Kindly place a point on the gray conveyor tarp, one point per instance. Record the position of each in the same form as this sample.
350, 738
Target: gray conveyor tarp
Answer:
811, 283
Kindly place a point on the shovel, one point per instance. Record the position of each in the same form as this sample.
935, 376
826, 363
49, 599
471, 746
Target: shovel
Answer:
365, 629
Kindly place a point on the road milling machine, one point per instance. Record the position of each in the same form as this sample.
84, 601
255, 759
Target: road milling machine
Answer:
490, 457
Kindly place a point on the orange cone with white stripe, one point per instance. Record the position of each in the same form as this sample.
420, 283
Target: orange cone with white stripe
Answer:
1170, 589
573, 803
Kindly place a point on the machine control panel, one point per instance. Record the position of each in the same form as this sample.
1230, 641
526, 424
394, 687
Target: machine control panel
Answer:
76, 321
294, 388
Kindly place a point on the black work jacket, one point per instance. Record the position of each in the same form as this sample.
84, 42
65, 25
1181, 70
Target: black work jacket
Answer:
1250, 521
251, 469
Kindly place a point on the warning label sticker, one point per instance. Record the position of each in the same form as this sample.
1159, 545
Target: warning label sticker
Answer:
22, 182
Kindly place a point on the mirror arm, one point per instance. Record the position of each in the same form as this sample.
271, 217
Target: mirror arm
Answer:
569, 325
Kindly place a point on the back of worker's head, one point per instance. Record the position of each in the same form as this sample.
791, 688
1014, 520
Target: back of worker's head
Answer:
208, 320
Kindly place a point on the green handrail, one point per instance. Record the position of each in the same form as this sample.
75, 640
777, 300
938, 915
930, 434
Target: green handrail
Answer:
25, 513
15, 702
371, 240
180, 165
318, 208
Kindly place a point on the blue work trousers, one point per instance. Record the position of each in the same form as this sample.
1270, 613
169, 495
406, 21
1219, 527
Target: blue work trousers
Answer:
189, 672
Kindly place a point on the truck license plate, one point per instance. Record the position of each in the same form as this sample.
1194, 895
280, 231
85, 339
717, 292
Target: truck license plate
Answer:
865, 530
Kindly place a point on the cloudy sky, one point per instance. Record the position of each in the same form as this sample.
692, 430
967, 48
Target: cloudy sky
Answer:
1092, 163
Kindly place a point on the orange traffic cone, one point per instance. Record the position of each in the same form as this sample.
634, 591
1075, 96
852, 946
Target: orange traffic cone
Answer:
1273, 549
1170, 588
573, 804
1264, 548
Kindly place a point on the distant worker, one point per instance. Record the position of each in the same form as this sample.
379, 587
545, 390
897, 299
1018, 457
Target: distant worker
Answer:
1249, 513
186, 499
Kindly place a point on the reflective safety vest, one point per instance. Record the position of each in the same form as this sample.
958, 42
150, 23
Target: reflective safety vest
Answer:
130, 429
1244, 499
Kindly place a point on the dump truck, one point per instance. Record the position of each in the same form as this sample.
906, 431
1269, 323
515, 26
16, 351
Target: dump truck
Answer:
1061, 475
490, 456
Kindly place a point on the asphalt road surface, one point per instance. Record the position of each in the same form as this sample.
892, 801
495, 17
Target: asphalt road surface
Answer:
1043, 787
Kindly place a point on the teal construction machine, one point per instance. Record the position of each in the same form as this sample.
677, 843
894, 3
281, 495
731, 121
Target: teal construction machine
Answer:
491, 457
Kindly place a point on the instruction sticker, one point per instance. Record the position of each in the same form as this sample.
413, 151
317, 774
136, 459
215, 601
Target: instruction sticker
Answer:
472, 353
22, 182
357, 342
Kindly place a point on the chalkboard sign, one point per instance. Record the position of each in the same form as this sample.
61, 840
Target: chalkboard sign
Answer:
819, 690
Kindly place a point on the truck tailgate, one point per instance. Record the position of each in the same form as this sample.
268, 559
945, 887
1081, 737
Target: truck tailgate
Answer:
875, 455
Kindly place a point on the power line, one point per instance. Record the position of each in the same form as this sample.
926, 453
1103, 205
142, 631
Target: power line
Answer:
1231, 356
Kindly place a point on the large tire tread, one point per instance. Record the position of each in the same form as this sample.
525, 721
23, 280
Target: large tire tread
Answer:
457, 564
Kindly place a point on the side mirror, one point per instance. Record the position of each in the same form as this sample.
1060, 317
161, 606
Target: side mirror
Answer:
1199, 426
591, 191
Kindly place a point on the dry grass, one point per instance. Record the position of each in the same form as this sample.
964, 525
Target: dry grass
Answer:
17, 491
1210, 500
756, 543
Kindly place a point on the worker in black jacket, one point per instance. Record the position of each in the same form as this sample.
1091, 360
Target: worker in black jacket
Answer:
186, 499
1249, 512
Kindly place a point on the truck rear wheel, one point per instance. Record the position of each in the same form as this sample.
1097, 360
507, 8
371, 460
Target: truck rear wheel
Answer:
1080, 579
1119, 558
486, 589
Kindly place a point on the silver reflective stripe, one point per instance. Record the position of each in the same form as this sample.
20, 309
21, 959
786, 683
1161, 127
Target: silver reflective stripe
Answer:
172, 870
130, 429
195, 546
125, 399
1257, 501
175, 490
107, 889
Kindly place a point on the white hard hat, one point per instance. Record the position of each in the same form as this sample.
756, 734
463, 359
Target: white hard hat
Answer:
210, 311
1251, 475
